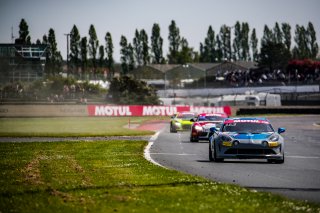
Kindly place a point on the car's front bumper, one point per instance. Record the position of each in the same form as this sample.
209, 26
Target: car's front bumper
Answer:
201, 134
247, 151
182, 127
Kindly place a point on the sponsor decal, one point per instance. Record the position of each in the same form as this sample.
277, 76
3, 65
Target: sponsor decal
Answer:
207, 109
246, 121
101, 110
137, 110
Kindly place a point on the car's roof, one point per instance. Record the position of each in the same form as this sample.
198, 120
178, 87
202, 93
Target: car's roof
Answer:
212, 114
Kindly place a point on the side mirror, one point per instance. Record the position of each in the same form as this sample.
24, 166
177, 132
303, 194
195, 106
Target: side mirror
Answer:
213, 129
192, 120
281, 130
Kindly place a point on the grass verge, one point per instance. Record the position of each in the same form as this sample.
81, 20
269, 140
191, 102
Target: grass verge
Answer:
113, 176
71, 126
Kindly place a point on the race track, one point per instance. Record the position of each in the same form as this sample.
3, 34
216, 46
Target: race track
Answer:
298, 177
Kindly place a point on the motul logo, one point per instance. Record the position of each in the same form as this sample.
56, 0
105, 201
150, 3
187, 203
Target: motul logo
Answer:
112, 111
159, 110
138, 110
207, 109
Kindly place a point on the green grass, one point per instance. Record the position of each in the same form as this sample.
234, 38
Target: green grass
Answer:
113, 176
70, 126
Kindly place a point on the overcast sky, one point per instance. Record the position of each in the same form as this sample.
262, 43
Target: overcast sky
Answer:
123, 17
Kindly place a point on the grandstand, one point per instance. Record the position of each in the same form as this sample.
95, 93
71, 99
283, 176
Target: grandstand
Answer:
22, 62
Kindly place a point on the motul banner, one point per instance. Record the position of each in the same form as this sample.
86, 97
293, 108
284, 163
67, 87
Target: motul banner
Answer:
137, 110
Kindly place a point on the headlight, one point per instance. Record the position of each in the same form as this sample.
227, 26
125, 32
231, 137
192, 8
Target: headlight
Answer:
177, 123
198, 128
274, 137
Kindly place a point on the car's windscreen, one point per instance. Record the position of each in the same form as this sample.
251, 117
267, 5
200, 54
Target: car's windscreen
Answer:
185, 116
247, 127
210, 118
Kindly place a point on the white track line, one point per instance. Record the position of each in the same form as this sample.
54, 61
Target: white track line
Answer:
148, 147
303, 157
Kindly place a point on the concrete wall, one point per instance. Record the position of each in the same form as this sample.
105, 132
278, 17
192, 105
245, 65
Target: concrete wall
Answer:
43, 110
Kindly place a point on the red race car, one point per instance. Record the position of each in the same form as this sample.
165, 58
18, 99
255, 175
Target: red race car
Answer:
200, 129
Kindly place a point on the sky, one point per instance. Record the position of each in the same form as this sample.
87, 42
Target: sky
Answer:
123, 17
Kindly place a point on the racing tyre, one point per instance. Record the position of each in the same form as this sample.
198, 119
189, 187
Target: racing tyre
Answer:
193, 139
215, 155
172, 129
210, 153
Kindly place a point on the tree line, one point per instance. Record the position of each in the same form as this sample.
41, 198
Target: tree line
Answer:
88, 55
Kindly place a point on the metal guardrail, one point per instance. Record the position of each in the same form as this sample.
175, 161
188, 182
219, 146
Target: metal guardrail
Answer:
236, 90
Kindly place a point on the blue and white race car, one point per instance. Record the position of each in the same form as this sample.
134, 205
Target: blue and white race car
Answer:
246, 138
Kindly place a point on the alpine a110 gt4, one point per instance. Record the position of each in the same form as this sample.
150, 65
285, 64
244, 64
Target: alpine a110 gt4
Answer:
246, 138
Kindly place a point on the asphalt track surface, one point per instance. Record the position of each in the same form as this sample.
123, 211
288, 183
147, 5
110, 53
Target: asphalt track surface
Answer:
298, 177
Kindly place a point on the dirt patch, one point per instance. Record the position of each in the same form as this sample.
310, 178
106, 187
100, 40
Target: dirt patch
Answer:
153, 125
32, 171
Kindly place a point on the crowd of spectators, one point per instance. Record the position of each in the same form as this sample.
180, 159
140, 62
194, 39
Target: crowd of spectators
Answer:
263, 78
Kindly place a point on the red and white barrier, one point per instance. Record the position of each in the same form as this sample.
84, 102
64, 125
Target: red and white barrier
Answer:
138, 110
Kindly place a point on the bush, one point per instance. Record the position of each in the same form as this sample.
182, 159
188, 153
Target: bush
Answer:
126, 90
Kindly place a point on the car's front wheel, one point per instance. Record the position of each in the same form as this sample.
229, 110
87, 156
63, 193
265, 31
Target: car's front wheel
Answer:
215, 158
193, 139
210, 153
280, 161
172, 129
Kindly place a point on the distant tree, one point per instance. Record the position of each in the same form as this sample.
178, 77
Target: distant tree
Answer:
130, 57
209, 49
24, 37
278, 35
203, 54
185, 55
84, 55
225, 37
138, 48
101, 56
44, 39
38, 42
274, 56
54, 58
312, 41
74, 48
267, 36
237, 42
124, 55
93, 47
145, 47
174, 42
156, 45
141, 48
306, 45
254, 45
109, 53
245, 50
219, 48
286, 30
301, 51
